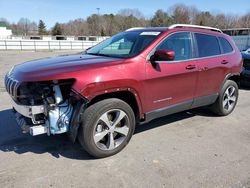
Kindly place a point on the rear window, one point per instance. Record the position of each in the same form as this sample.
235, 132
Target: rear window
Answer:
226, 46
208, 45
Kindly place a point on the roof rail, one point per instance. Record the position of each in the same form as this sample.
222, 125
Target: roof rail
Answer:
135, 28
194, 26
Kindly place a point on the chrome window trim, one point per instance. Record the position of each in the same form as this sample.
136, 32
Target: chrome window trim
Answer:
195, 58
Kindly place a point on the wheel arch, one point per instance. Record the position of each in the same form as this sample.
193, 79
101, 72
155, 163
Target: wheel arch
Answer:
128, 95
233, 77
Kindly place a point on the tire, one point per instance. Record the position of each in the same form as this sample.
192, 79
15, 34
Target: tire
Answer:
106, 127
227, 99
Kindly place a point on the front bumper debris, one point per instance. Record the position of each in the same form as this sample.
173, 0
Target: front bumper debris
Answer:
26, 113
42, 119
29, 111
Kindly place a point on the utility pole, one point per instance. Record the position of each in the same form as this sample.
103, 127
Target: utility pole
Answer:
98, 21
26, 26
98, 11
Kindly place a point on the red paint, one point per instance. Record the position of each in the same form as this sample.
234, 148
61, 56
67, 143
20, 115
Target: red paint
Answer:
96, 75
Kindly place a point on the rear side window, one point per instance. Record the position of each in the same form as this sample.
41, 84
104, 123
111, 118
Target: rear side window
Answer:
208, 45
226, 46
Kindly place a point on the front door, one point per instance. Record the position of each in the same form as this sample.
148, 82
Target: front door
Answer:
170, 83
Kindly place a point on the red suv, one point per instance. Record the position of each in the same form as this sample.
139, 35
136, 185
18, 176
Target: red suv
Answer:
131, 78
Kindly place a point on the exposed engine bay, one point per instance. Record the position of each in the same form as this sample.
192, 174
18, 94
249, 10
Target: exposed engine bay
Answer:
42, 107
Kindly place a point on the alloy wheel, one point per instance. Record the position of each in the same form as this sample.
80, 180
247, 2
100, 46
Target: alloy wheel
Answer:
229, 98
111, 129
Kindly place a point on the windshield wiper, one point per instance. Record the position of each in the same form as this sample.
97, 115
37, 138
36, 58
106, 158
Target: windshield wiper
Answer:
92, 53
105, 55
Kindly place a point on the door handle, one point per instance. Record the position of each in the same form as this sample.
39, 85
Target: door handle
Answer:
224, 62
190, 67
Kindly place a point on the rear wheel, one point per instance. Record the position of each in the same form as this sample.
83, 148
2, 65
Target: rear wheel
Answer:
107, 126
227, 99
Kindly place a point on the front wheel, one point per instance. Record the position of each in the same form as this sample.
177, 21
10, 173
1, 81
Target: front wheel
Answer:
107, 126
227, 99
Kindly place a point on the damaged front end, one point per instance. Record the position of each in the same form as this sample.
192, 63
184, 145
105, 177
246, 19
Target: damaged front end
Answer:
44, 107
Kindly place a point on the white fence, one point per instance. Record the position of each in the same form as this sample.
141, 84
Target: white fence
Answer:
8, 44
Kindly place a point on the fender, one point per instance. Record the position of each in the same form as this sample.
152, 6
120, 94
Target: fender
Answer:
94, 89
120, 89
227, 77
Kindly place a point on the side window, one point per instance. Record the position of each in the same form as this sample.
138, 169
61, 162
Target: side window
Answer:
208, 45
226, 46
180, 43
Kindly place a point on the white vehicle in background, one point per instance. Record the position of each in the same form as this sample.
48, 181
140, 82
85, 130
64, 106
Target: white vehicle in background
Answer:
247, 51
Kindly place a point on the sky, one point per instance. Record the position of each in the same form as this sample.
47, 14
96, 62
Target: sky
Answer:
52, 11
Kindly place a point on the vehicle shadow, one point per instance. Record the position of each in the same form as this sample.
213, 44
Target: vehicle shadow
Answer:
247, 88
164, 121
13, 140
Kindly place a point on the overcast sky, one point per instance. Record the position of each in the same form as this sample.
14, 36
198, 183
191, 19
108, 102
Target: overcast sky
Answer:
52, 11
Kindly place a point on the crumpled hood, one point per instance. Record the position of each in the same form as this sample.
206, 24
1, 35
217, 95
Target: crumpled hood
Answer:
50, 67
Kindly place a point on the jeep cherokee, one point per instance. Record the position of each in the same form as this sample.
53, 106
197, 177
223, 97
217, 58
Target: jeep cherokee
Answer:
131, 78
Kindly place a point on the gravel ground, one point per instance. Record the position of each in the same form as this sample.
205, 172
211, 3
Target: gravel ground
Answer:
188, 149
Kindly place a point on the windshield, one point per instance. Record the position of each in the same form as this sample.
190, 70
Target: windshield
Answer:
124, 45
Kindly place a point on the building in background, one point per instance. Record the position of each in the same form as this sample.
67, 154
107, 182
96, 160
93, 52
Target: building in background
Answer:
241, 37
5, 33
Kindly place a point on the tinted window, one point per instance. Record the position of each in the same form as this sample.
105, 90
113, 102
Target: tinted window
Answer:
208, 45
226, 46
180, 43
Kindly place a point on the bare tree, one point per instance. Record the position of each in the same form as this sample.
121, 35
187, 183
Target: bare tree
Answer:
78, 27
204, 18
193, 12
180, 14
93, 24
131, 12
25, 27
232, 21
245, 20
109, 24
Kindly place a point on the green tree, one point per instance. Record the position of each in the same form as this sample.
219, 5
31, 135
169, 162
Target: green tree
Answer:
42, 28
161, 19
57, 29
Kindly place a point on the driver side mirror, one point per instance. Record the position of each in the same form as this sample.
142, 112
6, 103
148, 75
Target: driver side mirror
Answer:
163, 55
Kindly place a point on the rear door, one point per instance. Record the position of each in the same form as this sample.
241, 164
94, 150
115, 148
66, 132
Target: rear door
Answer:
172, 82
212, 65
